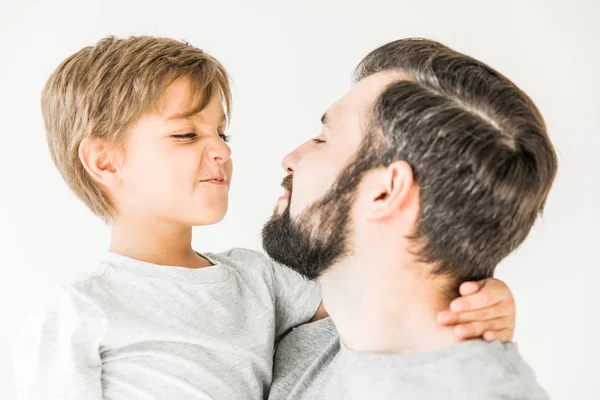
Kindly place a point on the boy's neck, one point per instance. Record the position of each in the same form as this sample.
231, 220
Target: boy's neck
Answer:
155, 242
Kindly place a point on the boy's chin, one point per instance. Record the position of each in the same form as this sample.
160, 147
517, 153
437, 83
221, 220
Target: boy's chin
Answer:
211, 218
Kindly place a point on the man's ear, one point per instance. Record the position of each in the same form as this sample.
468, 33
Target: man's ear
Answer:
97, 157
392, 191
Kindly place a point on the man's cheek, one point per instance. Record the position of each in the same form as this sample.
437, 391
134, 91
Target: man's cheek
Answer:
304, 194
295, 204
301, 194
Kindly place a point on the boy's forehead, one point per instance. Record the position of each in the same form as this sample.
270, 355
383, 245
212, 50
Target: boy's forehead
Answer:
176, 97
180, 101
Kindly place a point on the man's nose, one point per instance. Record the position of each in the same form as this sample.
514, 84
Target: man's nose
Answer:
289, 162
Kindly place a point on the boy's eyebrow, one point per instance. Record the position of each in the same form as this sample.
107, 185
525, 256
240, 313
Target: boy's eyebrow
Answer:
188, 115
180, 115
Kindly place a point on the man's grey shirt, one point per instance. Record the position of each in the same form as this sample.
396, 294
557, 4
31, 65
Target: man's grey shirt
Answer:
312, 363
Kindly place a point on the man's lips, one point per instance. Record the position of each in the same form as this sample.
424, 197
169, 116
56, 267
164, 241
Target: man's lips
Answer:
286, 184
284, 196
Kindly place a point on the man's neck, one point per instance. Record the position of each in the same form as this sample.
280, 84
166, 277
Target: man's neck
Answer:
386, 305
155, 242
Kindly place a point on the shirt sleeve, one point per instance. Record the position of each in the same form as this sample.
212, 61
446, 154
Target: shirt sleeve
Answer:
296, 298
56, 355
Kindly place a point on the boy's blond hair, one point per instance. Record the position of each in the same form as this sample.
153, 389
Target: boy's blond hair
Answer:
102, 89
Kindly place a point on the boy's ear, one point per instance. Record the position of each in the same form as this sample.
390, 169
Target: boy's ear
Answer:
393, 190
97, 157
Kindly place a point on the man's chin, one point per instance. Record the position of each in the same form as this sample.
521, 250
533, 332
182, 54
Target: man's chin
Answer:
280, 207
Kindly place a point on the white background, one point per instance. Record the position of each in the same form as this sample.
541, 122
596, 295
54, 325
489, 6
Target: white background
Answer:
290, 60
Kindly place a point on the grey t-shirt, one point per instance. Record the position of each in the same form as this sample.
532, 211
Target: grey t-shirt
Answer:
312, 363
133, 330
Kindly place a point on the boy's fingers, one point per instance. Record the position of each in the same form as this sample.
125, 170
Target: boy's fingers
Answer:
467, 288
491, 291
448, 318
503, 335
476, 329
487, 296
502, 309
489, 336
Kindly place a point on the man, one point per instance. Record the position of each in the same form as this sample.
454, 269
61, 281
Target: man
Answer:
428, 172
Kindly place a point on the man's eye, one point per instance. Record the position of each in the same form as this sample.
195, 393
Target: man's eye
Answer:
318, 141
185, 136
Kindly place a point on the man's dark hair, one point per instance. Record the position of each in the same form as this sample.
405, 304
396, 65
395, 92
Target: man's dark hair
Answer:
478, 148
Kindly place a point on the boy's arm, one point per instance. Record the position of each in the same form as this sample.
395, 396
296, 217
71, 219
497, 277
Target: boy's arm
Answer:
297, 299
485, 309
56, 355
320, 314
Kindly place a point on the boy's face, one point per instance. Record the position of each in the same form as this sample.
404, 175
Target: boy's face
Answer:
177, 169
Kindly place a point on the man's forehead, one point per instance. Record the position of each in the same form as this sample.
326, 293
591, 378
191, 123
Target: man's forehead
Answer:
361, 97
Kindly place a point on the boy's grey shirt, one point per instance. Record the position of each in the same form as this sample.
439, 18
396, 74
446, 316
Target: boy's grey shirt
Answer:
312, 363
133, 330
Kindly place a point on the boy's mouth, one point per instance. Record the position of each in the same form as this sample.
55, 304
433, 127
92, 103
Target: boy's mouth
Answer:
214, 181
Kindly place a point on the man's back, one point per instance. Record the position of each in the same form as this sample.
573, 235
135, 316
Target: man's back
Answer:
312, 364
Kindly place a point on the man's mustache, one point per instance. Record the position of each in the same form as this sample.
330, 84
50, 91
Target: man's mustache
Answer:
287, 183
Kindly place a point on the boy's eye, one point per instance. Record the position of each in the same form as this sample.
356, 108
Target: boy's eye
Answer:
185, 136
191, 136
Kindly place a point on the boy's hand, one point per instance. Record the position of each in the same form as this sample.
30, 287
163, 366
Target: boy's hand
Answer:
485, 309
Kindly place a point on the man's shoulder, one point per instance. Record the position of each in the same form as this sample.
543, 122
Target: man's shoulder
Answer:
469, 370
477, 369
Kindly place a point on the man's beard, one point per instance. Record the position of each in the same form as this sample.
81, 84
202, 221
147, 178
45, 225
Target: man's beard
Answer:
313, 241
319, 236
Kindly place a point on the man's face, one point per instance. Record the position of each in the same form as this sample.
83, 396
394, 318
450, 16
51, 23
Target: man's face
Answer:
310, 229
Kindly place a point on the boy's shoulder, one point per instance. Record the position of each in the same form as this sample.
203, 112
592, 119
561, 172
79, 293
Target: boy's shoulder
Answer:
72, 303
257, 265
88, 293
242, 257
91, 272
80, 289
86, 285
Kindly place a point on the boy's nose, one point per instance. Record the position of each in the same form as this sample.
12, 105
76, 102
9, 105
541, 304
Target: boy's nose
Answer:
219, 153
